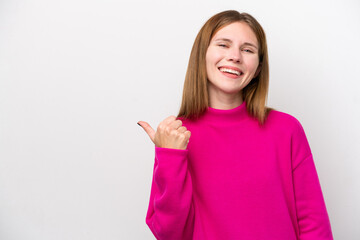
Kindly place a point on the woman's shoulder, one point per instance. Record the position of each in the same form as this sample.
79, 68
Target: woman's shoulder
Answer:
282, 119
282, 116
289, 126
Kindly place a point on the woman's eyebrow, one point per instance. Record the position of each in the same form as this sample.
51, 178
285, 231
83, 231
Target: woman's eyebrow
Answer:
228, 40
250, 44
223, 39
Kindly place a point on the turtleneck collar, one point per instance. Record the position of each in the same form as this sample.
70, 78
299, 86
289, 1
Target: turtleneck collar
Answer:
226, 116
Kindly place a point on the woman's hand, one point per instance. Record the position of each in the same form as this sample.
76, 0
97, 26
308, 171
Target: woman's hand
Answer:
169, 134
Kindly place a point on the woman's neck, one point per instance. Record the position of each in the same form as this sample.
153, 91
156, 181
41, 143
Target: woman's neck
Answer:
223, 101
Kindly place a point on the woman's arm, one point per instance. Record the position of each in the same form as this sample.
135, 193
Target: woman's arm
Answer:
171, 212
313, 220
311, 211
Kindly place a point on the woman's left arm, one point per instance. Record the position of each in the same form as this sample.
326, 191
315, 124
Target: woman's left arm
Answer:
313, 219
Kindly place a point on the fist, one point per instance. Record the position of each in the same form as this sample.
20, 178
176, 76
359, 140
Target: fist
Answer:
169, 134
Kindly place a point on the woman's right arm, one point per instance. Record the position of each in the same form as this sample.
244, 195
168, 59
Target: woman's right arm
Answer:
171, 211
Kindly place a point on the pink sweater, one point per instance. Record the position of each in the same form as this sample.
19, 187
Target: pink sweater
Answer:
237, 180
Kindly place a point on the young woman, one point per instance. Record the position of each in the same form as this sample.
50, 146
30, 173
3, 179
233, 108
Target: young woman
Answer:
228, 167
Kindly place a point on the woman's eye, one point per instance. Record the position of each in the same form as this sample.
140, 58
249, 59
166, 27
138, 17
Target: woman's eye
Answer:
222, 45
248, 50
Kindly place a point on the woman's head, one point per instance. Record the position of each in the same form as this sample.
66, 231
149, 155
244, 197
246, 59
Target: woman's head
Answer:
196, 96
232, 61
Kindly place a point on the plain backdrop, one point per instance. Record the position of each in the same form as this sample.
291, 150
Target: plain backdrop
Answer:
77, 75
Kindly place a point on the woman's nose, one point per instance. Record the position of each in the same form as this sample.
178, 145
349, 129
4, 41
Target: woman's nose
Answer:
234, 55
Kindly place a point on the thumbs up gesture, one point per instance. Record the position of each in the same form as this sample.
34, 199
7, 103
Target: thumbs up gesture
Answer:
169, 134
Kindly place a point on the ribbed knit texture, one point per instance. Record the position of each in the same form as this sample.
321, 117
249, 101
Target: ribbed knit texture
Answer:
238, 181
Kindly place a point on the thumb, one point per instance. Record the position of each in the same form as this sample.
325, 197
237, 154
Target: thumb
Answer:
148, 129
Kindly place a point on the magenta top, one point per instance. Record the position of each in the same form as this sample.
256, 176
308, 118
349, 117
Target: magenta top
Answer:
237, 180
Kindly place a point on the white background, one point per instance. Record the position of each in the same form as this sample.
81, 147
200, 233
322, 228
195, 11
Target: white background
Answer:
76, 76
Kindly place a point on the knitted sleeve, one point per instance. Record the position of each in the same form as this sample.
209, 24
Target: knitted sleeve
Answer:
312, 216
170, 213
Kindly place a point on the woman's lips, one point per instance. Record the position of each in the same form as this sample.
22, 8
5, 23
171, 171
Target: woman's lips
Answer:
231, 72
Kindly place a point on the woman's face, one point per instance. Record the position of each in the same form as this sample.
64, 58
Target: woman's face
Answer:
232, 58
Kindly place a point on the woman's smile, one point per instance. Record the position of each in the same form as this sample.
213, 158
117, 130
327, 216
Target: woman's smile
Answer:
231, 72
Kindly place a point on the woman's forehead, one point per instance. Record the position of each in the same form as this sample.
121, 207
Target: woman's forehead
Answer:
237, 31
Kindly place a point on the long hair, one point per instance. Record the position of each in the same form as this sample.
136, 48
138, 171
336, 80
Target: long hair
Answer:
195, 98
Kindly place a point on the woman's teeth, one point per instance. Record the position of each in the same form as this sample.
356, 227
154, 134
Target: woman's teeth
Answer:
230, 71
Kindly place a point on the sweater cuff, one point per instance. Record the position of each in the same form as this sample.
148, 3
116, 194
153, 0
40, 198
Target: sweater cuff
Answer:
170, 156
170, 150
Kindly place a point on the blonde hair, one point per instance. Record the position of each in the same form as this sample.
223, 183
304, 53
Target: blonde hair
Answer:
195, 98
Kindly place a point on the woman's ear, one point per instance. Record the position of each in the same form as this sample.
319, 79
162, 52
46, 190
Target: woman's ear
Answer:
257, 71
